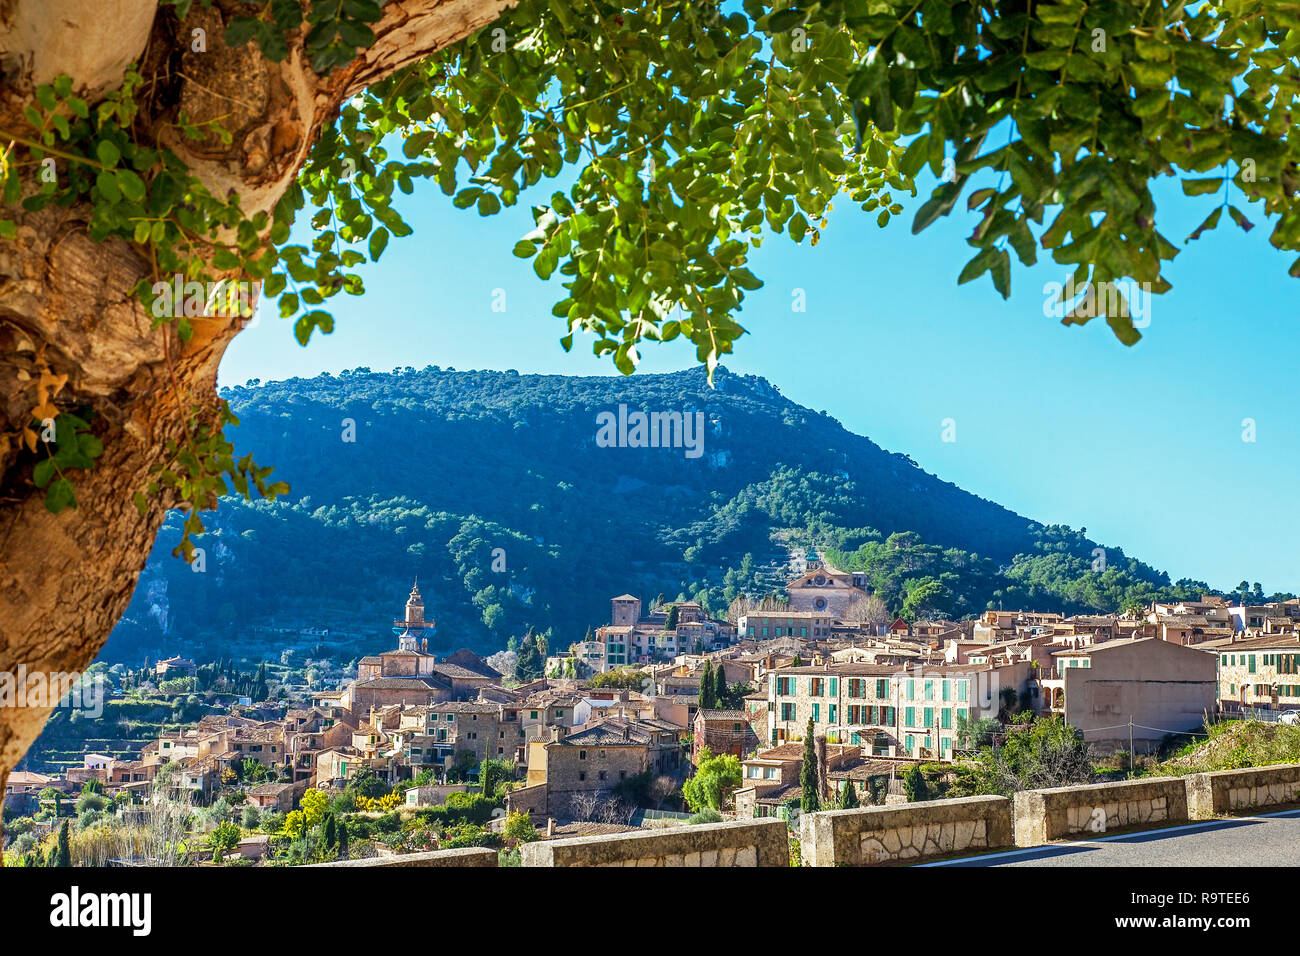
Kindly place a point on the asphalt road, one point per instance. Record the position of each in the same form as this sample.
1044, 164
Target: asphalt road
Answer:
1266, 840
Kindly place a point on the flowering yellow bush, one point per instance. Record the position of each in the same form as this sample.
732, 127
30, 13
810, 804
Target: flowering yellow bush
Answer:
382, 804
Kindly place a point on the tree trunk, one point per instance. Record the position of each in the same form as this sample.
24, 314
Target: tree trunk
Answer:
66, 306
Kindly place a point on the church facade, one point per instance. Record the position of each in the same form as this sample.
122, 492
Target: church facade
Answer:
823, 590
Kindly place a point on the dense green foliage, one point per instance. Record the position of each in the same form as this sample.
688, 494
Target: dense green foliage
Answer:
422, 491
715, 777
688, 131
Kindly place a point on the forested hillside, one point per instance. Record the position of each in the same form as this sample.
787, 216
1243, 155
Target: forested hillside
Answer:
492, 488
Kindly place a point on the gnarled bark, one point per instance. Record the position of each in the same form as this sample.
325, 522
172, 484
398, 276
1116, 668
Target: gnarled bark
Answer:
66, 304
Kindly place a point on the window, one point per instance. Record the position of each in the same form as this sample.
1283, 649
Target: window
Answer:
832, 714
787, 712
882, 689
909, 718
602, 775
582, 755
835, 688
582, 775
817, 713
962, 691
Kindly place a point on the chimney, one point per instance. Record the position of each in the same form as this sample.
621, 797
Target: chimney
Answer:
627, 732
557, 734
550, 827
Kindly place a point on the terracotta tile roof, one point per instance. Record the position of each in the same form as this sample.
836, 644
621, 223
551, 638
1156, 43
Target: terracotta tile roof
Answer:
726, 715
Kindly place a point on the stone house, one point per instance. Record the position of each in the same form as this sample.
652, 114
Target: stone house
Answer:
723, 732
595, 760
273, 796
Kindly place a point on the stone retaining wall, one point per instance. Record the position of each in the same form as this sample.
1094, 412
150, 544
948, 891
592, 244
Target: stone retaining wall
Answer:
930, 828
1231, 791
745, 843
1044, 815
469, 856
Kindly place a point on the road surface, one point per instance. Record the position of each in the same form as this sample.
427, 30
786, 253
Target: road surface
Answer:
1271, 839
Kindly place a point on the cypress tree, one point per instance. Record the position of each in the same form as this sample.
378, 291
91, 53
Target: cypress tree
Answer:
810, 801
331, 834
720, 686
708, 689
62, 851
529, 663
849, 797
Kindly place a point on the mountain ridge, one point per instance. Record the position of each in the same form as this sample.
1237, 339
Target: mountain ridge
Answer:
492, 487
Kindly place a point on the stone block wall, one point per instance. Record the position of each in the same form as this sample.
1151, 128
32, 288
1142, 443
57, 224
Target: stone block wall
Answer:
1234, 791
470, 856
1041, 816
874, 835
746, 843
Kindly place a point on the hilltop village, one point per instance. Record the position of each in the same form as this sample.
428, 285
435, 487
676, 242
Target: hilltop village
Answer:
622, 723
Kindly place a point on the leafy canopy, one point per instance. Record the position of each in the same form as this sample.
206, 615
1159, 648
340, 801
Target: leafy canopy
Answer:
687, 131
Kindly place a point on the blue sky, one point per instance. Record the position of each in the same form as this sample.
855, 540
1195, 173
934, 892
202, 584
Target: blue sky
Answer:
1142, 446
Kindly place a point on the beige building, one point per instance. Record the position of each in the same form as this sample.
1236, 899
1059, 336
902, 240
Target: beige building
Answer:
1160, 686
822, 589
888, 710
1261, 672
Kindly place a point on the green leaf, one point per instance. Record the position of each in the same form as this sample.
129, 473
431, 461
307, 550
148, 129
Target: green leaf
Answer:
108, 153
1201, 187
132, 186
60, 495
1210, 222
43, 472
378, 243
